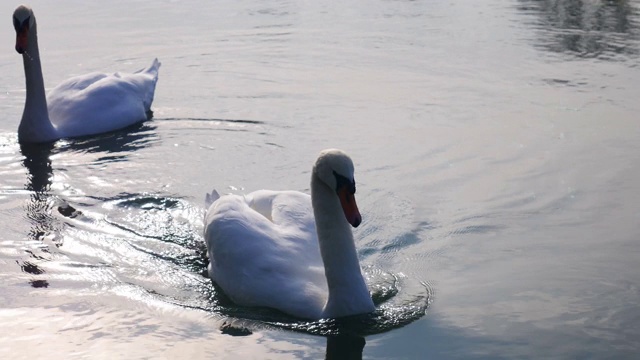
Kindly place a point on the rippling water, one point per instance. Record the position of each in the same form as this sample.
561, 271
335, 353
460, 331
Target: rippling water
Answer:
496, 152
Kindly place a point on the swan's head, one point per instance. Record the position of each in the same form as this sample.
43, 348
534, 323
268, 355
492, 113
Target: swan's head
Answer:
23, 22
335, 169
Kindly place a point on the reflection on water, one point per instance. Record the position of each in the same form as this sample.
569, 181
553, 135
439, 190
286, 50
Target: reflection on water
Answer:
38, 164
114, 146
347, 347
586, 29
38, 210
44, 205
342, 346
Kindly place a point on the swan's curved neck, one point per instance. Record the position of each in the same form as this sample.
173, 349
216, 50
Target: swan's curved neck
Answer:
348, 293
35, 125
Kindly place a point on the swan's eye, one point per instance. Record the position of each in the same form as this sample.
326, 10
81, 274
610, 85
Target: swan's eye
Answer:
342, 182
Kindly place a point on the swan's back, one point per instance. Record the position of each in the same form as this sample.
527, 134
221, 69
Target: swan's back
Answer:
263, 251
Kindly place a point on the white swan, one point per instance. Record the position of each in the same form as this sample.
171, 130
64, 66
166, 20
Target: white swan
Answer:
83, 105
271, 249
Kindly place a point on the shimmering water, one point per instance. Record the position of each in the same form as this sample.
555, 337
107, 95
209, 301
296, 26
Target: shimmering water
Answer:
497, 159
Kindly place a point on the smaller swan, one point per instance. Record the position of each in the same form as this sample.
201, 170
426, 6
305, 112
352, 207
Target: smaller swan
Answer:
288, 251
83, 105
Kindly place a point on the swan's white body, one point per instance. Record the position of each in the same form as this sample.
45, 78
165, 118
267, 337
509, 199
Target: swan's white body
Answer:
83, 105
288, 250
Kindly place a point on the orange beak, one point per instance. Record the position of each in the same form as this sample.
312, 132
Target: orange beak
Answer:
349, 206
22, 40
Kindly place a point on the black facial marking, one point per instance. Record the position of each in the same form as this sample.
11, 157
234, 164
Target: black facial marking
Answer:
342, 181
21, 26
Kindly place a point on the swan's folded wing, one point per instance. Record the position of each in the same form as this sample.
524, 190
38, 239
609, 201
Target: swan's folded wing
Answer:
292, 210
108, 104
97, 102
259, 263
292, 220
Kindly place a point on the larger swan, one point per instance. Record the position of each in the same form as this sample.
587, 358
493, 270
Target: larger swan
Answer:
290, 251
83, 105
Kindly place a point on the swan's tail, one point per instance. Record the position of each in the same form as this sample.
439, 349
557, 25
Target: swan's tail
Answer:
151, 69
211, 198
147, 79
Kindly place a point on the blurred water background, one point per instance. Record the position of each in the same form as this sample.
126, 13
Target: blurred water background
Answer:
497, 156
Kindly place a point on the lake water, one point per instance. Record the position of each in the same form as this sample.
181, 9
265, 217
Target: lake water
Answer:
497, 152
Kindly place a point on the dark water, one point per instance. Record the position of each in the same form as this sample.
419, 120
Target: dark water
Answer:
496, 151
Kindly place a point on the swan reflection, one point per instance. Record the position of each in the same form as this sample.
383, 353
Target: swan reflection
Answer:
41, 207
347, 347
37, 161
113, 146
